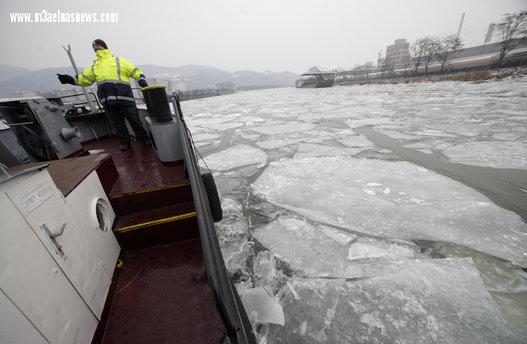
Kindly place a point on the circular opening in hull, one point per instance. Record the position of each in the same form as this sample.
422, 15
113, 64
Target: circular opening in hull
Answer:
101, 214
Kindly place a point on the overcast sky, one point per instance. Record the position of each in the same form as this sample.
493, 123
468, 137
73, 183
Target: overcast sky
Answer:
260, 35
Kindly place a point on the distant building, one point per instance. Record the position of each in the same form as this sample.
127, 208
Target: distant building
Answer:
316, 77
380, 60
398, 54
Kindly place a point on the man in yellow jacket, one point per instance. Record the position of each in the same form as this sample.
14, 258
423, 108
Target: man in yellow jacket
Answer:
112, 75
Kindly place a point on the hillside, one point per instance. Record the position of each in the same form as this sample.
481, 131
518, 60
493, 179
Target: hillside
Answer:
8, 72
39, 80
194, 76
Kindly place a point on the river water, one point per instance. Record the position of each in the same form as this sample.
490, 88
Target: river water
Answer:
374, 213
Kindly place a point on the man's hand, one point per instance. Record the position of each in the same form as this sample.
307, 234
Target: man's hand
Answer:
141, 81
66, 79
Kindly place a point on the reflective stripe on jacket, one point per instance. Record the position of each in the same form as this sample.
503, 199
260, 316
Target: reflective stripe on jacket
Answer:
112, 75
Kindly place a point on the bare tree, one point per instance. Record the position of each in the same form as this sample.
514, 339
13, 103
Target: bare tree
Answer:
446, 45
417, 51
406, 64
431, 47
513, 26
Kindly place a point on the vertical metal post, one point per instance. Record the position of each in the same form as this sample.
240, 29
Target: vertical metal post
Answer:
460, 25
490, 33
90, 103
488, 37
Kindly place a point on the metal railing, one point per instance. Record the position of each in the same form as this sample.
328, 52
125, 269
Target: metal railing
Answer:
237, 325
99, 105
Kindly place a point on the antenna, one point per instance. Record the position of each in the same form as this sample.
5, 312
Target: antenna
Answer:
490, 32
67, 48
460, 25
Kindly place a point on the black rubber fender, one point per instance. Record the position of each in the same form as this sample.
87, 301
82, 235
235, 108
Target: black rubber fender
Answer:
214, 198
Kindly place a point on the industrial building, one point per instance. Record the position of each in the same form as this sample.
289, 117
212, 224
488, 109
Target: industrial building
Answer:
398, 54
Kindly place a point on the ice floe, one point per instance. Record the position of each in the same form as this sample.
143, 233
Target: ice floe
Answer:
318, 251
368, 248
497, 154
421, 205
313, 150
425, 301
235, 157
283, 128
277, 143
356, 141
337, 235
261, 306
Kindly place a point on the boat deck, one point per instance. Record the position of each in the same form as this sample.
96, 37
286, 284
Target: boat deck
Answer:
160, 294
139, 169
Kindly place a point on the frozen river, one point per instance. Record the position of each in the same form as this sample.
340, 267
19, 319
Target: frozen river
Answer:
375, 213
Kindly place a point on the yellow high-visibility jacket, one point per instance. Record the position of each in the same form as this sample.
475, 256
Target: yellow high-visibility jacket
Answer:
112, 74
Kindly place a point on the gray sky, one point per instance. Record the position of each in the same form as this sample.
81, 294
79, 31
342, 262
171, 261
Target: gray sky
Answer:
261, 35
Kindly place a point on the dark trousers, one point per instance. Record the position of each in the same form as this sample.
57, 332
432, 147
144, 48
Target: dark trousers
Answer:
117, 114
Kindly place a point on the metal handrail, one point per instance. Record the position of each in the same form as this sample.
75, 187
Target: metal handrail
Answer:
99, 105
239, 329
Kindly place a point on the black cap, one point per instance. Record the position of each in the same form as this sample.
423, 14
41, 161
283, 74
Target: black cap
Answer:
100, 42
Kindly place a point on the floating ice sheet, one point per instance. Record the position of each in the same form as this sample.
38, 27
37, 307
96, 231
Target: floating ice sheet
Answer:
236, 253
343, 112
398, 135
261, 306
355, 123
210, 121
312, 150
498, 277
435, 301
506, 136
434, 133
303, 247
368, 248
205, 136
338, 235
234, 157
283, 128
419, 204
226, 126
467, 128
497, 154
230, 205
425, 301
356, 141
264, 270
277, 143
311, 251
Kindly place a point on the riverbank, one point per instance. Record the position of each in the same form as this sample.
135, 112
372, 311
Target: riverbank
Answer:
474, 75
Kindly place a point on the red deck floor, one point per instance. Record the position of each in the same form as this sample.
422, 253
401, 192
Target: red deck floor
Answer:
162, 296
154, 214
138, 168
